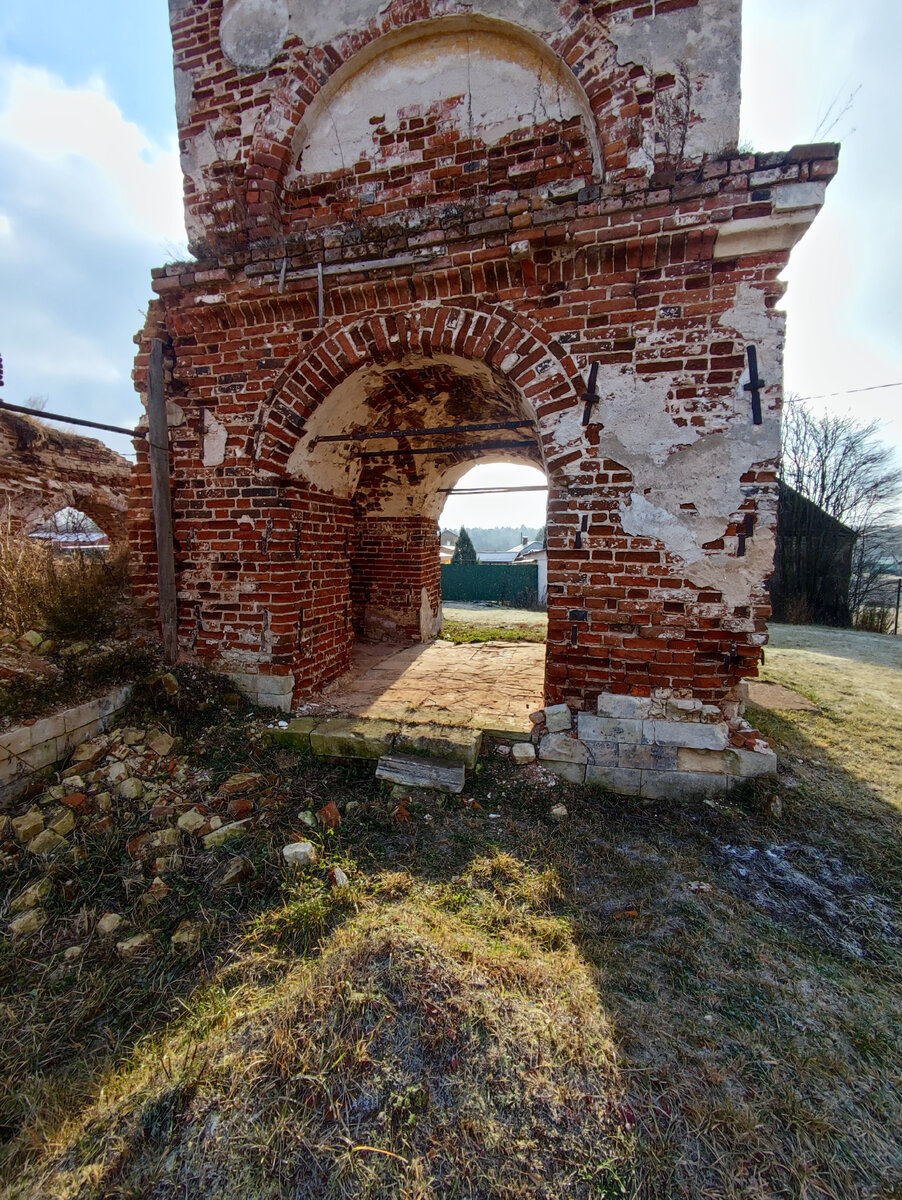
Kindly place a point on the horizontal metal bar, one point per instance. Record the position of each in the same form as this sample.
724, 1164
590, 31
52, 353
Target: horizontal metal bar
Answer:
46, 416
447, 449
436, 429
490, 491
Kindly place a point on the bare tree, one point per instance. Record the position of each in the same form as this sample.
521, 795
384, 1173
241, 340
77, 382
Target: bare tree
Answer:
842, 466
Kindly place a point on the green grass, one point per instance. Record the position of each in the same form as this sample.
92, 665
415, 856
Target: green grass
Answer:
460, 632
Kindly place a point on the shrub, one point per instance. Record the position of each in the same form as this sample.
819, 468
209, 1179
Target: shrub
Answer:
873, 618
74, 596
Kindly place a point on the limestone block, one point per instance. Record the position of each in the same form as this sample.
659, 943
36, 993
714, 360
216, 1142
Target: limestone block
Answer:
15, 741
610, 729
32, 895
441, 741
46, 843
218, 837
296, 736
109, 923
131, 789
61, 821
678, 785
299, 854
689, 734
649, 758
708, 762
141, 943
83, 714
633, 708
749, 764
191, 821
557, 747
414, 771
43, 753
523, 752
621, 780
683, 710
573, 772
557, 718
28, 826
48, 728
603, 754
345, 737
27, 922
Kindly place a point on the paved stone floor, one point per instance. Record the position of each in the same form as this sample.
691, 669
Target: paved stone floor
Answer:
487, 685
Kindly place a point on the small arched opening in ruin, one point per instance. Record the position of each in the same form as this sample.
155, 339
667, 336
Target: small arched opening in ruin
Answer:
70, 530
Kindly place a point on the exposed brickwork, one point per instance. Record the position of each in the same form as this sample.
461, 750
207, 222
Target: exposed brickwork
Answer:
43, 470
514, 264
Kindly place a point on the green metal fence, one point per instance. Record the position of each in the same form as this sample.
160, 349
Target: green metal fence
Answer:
505, 583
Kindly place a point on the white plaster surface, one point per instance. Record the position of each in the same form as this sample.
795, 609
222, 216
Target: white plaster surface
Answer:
479, 82
253, 32
315, 22
215, 440
706, 41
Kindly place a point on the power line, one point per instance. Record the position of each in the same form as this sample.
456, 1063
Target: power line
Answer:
878, 387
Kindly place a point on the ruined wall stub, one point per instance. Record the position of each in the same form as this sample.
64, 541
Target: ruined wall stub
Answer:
43, 470
500, 194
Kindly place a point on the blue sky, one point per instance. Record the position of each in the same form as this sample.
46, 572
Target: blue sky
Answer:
90, 198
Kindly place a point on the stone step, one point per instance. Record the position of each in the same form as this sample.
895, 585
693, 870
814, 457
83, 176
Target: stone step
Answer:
370, 738
412, 770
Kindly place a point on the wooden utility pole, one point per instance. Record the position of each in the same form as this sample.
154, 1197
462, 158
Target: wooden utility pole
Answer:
161, 488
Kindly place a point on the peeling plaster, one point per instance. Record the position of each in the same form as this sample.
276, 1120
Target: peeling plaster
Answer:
316, 23
704, 40
215, 439
253, 32
499, 84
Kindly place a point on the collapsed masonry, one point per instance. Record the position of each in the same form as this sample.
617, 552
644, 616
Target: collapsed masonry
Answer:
43, 470
430, 215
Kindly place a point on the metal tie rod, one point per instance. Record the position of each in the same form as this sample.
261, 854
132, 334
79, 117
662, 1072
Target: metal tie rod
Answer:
491, 491
436, 429
447, 449
46, 416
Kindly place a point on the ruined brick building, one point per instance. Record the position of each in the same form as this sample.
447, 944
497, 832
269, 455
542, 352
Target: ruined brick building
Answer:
431, 215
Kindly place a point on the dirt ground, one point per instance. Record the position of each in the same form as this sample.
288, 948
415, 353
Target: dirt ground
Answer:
493, 614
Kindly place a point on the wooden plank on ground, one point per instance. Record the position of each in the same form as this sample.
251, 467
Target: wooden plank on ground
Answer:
411, 770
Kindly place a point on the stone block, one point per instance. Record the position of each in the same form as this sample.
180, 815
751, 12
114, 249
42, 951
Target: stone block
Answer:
648, 758
347, 737
631, 708
683, 710
15, 741
48, 728
689, 734
616, 779
610, 729
707, 762
441, 741
603, 754
225, 833
296, 736
82, 714
413, 771
573, 772
558, 718
790, 196
523, 752
558, 747
750, 764
679, 785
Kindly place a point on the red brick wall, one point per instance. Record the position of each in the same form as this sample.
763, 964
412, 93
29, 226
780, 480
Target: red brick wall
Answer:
535, 270
393, 561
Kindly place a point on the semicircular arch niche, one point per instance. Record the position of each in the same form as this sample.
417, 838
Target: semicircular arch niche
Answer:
438, 89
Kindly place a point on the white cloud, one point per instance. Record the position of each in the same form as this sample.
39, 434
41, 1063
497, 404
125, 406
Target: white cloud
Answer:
82, 132
88, 205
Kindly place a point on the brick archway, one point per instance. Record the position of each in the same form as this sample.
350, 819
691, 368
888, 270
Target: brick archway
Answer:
543, 373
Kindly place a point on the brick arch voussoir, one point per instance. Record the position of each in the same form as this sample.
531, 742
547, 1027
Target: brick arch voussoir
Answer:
270, 158
539, 368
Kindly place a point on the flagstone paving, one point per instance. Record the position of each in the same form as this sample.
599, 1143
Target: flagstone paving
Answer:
488, 685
